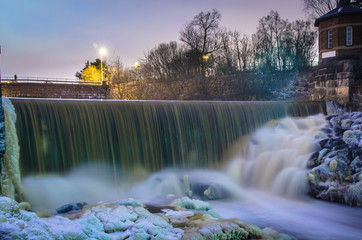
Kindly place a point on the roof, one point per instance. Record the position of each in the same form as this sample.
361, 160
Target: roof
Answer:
347, 9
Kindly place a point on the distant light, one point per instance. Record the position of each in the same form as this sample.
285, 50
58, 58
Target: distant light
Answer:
205, 57
102, 51
137, 64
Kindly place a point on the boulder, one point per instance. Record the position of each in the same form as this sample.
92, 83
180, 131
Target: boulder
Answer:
336, 173
71, 207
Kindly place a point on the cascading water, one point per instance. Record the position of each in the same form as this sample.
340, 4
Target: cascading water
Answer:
277, 156
134, 138
140, 137
56, 136
273, 175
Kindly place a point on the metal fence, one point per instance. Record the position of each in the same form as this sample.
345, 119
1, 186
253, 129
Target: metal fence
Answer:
14, 79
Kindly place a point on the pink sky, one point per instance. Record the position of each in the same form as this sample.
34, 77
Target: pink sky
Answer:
55, 38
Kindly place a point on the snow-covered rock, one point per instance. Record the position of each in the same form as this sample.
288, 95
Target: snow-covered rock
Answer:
128, 220
337, 167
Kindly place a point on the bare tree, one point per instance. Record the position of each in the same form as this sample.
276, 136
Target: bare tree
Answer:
203, 32
226, 62
304, 40
168, 65
317, 8
120, 75
255, 51
203, 36
243, 50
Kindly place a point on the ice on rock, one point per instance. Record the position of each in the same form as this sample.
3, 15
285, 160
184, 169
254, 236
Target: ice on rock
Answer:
113, 218
197, 205
129, 202
108, 222
155, 225
63, 227
126, 222
177, 217
10, 211
8, 207
10, 170
192, 204
99, 221
152, 218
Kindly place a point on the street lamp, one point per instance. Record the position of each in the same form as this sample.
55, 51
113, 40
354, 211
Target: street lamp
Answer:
102, 51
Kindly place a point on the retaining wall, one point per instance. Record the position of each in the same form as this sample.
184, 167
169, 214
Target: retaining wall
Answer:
339, 81
52, 90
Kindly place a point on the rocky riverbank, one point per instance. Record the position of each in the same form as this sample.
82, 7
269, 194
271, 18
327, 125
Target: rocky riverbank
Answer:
183, 218
336, 169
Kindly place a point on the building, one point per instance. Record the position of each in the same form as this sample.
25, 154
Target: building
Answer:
338, 76
340, 32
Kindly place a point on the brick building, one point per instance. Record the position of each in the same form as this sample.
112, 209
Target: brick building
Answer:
340, 32
338, 76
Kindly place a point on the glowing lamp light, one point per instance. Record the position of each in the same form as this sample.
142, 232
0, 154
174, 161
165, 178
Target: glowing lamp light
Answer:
102, 51
137, 64
205, 57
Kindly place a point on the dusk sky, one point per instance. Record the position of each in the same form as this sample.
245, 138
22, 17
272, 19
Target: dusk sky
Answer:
54, 38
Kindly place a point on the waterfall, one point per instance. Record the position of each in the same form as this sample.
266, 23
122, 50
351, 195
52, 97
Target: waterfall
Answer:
277, 156
58, 135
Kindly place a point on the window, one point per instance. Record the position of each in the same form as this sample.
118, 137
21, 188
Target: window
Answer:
329, 40
349, 36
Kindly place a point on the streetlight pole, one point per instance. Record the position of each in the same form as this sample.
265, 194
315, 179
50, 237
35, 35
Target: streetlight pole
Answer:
102, 52
101, 68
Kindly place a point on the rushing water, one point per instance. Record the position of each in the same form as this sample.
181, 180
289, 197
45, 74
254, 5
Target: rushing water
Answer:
58, 135
276, 157
264, 183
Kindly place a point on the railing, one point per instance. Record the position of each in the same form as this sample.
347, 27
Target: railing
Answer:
8, 79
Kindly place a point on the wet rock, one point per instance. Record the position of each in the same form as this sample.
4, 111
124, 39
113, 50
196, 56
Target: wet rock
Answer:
356, 164
24, 206
336, 168
331, 142
313, 160
357, 177
329, 117
205, 190
336, 121
352, 137
328, 131
346, 123
70, 207
209, 191
321, 154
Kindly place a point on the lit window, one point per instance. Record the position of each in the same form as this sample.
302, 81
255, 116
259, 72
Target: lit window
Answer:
349, 36
329, 38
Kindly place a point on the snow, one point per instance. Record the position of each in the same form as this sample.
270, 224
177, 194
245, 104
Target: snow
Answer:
194, 204
178, 217
99, 221
115, 221
130, 202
